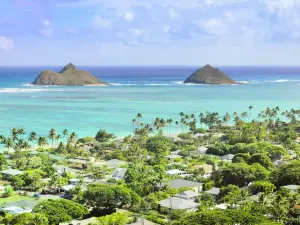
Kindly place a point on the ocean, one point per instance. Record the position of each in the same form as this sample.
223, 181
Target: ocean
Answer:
152, 91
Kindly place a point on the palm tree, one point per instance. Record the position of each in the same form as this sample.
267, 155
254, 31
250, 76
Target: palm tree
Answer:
244, 114
65, 133
169, 121
52, 135
73, 138
21, 132
201, 117
249, 113
9, 143
42, 141
181, 114
139, 116
226, 118
133, 123
14, 134
32, 138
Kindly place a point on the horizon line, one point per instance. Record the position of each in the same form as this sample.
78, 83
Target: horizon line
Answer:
82, 65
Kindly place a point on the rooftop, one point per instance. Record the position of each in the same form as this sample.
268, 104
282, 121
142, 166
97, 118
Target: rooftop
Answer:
178, 203
187, 194
179, 183
214, 191
12, 172
174, 172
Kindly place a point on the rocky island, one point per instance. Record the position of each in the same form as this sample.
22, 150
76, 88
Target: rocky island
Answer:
209, 75
68, 76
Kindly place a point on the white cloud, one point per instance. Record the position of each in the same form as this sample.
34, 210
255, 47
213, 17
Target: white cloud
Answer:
100, 22
6, 43
47, 29
128, 16
173, 13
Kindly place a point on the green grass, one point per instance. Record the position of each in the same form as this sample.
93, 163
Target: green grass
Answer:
14, 198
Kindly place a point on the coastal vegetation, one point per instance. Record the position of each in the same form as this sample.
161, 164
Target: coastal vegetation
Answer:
235, 169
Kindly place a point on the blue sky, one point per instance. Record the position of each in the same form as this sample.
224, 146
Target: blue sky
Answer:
150, 32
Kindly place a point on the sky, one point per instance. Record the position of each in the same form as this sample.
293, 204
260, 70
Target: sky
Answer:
150, 32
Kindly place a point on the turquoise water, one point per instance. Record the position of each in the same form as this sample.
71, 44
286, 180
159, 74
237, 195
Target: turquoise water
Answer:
154, 92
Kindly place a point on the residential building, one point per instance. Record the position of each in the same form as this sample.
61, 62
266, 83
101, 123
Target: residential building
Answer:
178, 203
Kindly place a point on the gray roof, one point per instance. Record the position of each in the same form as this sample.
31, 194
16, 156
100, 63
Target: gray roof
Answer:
173, 156
227, 157
68, 187
291, 187
214, 191
187, 194
81, 161
178, 203
115, 163
179, 183
119, 173
174, 172
12, 172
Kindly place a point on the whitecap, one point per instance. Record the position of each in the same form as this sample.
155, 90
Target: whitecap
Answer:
19, 90
243, 82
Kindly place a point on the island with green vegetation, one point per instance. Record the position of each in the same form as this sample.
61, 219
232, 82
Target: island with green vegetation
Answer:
219, 169
209, 75
68, 76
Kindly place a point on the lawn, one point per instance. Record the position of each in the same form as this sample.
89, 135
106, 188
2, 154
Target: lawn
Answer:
14, 198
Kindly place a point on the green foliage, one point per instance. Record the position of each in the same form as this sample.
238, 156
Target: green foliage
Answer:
110, 197
185, 136
286, 174
241, 174
152, 200
156, 218
261, 186
8, 191
159, 145
104, 136
259, 147
241, 158
221, 217
29, 219
61, 210
199, 131
261, 159
114, 219
3, 161
86, 140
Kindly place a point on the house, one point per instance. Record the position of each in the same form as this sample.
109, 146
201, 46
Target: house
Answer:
227, 157
214, 191
15, 210
79, 163
175, 152
178, 203
67, 188
11, 172
119, 173
180, 183
61, 169
175, 172
199, 151
114, 163
292, 187
172, 158
187, 195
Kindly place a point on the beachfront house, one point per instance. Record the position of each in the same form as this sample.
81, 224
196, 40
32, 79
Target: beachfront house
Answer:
180, 183
178, 203
119, 173
187, 195
11, 173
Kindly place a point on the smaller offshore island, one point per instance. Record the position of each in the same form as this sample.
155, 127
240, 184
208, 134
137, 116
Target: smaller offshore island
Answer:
68, 76
209, 75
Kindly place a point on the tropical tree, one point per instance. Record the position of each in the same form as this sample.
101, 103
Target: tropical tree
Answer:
52, 135
249, 112
32, 138
21, 132
42, 141
65, 133
9, 143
